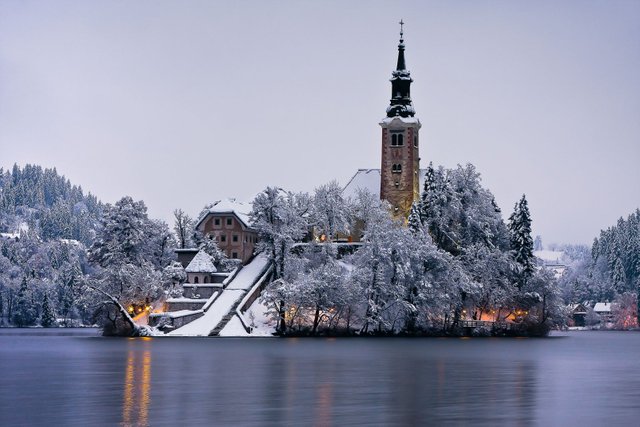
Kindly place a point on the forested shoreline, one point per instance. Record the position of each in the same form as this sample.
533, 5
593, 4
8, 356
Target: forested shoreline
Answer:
66, 259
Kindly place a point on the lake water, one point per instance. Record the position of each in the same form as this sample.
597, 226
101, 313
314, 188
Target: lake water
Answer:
73, 377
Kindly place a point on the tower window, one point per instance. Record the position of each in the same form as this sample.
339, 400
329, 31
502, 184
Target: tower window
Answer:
415, 141
396, 168
397, 139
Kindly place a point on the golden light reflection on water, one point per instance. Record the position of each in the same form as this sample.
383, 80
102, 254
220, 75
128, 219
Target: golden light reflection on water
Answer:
137, 389
324, 404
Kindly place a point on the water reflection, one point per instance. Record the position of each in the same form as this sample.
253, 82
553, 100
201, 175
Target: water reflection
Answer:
324, 404
137, 387
377, 382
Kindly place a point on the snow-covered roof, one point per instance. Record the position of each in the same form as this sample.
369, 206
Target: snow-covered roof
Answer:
201, 263
369, 179
407, 120
577, 308
549, 256
230, 206
602, 307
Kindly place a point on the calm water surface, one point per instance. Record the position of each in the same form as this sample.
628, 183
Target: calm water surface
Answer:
74, 377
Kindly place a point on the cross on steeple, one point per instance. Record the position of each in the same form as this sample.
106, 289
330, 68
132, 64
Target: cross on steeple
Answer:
401, 29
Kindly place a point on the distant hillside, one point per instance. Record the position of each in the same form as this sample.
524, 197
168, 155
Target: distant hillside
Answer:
46, 204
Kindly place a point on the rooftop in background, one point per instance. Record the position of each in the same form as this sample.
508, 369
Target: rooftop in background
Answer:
369, 179
230, 206
602, 307
555, 257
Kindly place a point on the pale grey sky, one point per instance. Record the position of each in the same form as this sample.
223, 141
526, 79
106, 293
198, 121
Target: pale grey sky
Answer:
183, 103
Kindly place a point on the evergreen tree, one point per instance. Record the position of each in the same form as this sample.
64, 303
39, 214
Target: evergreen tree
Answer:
24, 313
48, 317
414, 222
520, 236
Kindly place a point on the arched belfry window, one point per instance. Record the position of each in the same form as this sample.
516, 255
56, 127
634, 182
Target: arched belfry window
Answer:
396, 168
397, 139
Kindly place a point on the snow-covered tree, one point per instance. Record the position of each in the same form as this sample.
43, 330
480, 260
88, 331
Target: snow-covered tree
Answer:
281, 219
132, 251
329, 211
414, 222
183, 228
520, 236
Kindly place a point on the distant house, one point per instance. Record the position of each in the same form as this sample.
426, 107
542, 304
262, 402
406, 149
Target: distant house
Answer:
552, 260
228, 222
578, 313
603, 309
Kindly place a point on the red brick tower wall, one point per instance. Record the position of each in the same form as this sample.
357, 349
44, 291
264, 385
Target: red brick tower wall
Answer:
400, 188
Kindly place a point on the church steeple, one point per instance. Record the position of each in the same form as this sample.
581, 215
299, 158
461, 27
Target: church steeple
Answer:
400, 104
400, 165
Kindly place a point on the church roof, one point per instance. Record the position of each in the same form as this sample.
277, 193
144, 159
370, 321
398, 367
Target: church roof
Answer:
369, 179
201, 263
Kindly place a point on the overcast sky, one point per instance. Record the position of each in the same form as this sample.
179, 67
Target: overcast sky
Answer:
183, 103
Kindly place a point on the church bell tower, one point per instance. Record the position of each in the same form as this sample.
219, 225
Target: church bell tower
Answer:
400, 168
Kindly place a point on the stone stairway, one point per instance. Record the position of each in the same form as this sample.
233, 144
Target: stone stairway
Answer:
227, 317
218, 314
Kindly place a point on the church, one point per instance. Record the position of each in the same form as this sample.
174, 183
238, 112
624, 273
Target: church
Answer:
399, 178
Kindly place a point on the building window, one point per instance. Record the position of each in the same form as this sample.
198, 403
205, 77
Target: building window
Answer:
229, 221
223, 238
216, 221
415, 141
195, 280
234, 255
234, 238
396, 168
397, 139
206, 279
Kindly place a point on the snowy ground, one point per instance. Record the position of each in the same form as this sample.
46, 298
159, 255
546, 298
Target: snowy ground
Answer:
257, 317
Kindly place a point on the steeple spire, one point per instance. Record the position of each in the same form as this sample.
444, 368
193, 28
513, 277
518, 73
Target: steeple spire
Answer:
400, 84
401, 65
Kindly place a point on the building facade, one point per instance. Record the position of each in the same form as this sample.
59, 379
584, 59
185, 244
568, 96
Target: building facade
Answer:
228, 222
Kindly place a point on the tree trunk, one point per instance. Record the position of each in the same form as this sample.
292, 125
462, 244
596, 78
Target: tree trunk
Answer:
282, 324
136, 330
316, 319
